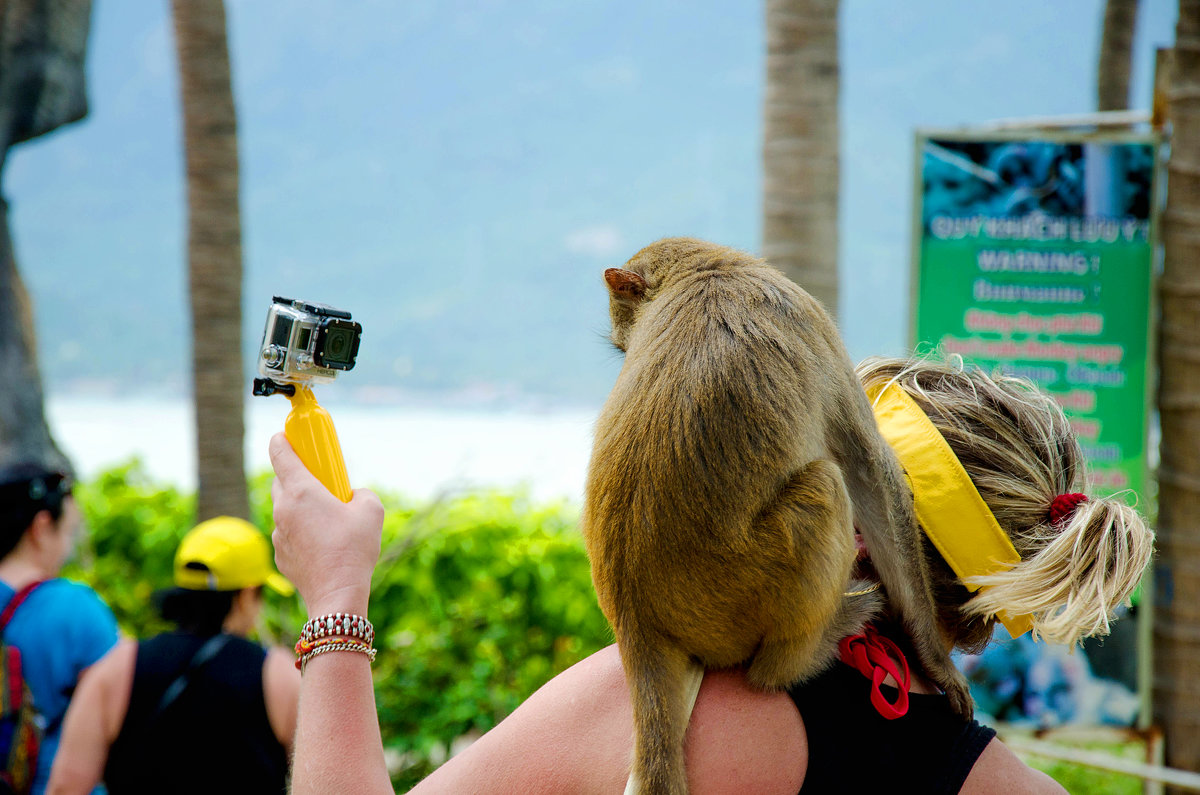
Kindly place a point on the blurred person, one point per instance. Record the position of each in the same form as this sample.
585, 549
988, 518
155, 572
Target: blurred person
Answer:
200, 709
61, 628
867, 723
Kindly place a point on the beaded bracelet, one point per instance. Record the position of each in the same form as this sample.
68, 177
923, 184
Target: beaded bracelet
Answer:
340, 624
334, 632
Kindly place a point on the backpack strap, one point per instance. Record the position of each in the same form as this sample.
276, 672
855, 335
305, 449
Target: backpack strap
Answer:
205, 653
11, 608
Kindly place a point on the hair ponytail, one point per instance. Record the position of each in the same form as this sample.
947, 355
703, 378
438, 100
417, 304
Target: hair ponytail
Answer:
1074, 574
1016, 444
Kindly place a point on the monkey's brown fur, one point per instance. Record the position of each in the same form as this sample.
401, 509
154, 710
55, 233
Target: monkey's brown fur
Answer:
732, 461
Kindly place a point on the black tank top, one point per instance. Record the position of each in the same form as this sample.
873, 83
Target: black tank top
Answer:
852, 748
215, 737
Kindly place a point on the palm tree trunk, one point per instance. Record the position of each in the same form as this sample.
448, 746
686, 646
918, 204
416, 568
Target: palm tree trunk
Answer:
800, 145
214, 255
1177, 575
1116, 48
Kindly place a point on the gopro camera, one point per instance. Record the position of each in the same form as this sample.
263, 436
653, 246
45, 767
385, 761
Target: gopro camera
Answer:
303, 344
307, 342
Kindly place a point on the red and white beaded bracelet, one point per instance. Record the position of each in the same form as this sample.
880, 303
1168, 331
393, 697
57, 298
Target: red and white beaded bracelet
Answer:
338, 624
335, 632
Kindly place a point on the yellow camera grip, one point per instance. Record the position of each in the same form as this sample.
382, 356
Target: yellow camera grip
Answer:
309, 429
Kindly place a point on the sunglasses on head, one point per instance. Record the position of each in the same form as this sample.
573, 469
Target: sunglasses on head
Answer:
47, 489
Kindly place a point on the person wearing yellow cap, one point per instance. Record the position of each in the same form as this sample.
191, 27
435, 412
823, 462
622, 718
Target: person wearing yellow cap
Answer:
201, 692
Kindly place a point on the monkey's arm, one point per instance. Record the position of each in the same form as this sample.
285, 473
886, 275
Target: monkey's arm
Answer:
575, 734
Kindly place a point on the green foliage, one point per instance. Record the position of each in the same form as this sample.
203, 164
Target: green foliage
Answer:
477, 600
128, 547
1084, 780
483, 598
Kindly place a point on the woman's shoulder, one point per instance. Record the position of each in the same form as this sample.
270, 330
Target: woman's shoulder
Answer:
739, 739
999, 771
576, 734
69, 594
73, 608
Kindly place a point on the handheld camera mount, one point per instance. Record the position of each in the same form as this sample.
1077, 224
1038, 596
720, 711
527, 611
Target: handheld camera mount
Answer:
303, 344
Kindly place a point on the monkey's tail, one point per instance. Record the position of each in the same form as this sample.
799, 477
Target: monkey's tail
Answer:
664, 694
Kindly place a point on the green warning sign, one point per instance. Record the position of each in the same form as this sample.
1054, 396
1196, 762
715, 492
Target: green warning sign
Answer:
1036, 258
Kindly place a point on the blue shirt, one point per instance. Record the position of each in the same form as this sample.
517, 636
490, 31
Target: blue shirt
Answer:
62, 628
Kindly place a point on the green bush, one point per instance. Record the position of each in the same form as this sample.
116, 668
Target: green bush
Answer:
127, 550
477, 600
1084, 780
481, 600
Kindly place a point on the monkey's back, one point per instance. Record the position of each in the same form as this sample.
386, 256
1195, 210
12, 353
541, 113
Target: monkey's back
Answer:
726, 392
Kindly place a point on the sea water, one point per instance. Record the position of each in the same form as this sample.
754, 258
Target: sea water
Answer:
418, 452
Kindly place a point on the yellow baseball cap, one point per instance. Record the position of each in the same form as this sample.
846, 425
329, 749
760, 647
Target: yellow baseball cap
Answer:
227, 554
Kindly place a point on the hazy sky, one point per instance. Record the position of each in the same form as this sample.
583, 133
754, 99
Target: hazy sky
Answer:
437, 158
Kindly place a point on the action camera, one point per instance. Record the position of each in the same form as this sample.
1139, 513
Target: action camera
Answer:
307, 342
304, 344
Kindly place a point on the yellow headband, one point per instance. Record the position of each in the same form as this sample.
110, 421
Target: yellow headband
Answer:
955, 517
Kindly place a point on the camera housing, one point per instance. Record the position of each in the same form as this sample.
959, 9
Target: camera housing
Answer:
306, 343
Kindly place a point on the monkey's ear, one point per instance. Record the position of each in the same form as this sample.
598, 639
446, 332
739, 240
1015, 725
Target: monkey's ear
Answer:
625, 284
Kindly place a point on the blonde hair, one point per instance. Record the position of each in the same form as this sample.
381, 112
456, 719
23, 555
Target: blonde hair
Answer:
1018, 447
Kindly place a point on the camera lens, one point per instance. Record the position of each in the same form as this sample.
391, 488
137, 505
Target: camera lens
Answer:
337, 344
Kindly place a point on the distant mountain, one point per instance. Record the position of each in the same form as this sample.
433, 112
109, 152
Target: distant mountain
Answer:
458, 174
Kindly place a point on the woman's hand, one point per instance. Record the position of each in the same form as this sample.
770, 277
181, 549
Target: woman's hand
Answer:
327, 548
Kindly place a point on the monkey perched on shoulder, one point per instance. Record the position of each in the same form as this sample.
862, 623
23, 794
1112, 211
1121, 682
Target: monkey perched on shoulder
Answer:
733, 460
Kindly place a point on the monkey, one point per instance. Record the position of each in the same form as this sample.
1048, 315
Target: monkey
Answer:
732, 462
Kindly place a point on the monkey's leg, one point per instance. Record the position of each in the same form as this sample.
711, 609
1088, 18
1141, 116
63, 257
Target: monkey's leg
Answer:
814, 512
659, 676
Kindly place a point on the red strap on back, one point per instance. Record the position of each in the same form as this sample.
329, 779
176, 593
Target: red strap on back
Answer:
12, 675
19, 597
12, 657
875, 656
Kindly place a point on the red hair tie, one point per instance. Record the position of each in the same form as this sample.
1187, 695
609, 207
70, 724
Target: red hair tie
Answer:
1063, 507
